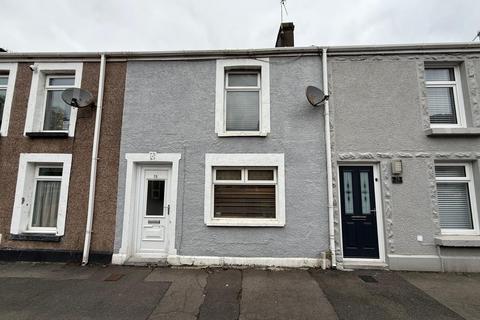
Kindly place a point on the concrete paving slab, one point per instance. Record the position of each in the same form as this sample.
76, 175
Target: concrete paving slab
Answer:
391, 297
283, 295
459, 292
222, 300
32, 298
54, 271
183, 299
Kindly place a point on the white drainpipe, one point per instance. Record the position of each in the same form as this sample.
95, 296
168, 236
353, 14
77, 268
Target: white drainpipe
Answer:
93, 170
328, 147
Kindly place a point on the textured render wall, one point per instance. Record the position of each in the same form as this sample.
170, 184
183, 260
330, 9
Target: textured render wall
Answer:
379, 110
80, 147
169, 107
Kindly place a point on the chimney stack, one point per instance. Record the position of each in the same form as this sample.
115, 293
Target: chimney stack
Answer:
285, 35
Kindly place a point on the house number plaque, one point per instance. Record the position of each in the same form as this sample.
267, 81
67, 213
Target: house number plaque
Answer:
153, 155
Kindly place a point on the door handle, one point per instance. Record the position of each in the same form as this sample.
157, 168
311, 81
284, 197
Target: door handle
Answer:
168, 210
373, 211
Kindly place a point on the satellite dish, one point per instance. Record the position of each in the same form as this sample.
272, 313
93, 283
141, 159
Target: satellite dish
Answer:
78, 98
315, 96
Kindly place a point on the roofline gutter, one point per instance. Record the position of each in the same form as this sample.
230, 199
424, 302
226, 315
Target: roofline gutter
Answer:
430, 48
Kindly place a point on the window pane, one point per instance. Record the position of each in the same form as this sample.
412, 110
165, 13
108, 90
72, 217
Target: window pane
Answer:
454, 206
155, 197
260, 175
3, 92
365, 192
229, 174
50, 172
441, 105
242, 111
70, 81
439, 74
450, 171
45, 207
348, 192
57, 112
242, 80
244, 201
3, 80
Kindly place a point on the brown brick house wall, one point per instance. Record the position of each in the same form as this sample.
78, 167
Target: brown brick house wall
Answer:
81, 149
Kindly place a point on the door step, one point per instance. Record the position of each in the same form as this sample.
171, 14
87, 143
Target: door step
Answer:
153, 262
351, 265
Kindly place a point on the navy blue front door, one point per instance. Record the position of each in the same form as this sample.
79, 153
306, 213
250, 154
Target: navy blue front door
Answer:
359, 216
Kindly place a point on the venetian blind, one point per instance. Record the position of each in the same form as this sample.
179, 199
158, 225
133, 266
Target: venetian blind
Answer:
454, 205
244, 201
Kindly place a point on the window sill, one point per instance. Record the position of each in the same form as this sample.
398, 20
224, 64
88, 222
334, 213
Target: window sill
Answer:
453, 132
43, 237
243, 134
60, 135
244, 223
458, 240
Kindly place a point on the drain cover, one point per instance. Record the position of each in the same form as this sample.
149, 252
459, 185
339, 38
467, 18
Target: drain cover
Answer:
368, 279
114, 277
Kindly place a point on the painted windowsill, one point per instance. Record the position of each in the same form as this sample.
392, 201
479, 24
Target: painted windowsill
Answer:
452, 132
43, 237
242, 134
458, 240
61, 135
244, 223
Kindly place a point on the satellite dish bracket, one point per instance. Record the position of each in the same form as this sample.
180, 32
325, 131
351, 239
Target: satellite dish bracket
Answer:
322, 101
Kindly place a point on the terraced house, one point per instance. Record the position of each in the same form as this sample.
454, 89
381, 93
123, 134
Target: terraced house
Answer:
217, 157
46, 153
406, 149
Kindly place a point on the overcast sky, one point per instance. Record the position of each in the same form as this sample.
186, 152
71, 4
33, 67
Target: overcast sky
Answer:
127, 25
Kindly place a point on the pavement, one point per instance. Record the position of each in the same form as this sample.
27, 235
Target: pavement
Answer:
68, 291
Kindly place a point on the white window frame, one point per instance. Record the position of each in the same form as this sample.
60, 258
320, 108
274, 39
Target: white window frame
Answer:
49, 87
457, 96
471, 190
11, 68
25, 191
37, 178
223, 67
253, 161
38, 93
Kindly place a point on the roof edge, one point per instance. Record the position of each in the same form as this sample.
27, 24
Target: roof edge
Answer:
332, 50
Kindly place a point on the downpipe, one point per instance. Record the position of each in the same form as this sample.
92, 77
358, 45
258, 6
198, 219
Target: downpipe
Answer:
328, 147
93, 169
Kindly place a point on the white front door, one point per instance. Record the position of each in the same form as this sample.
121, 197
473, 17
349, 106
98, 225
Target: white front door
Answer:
153, 211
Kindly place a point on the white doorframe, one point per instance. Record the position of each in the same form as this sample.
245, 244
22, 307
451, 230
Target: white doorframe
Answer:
135, 161
378, 204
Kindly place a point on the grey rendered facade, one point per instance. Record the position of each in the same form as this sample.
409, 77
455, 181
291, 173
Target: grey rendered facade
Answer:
170, 108
380, 113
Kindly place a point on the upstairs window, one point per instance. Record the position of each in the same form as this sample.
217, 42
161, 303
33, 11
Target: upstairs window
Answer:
242, 105
456, 198
444, 97
47, 114
242, 100
57, 112
3, 93
8, 72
